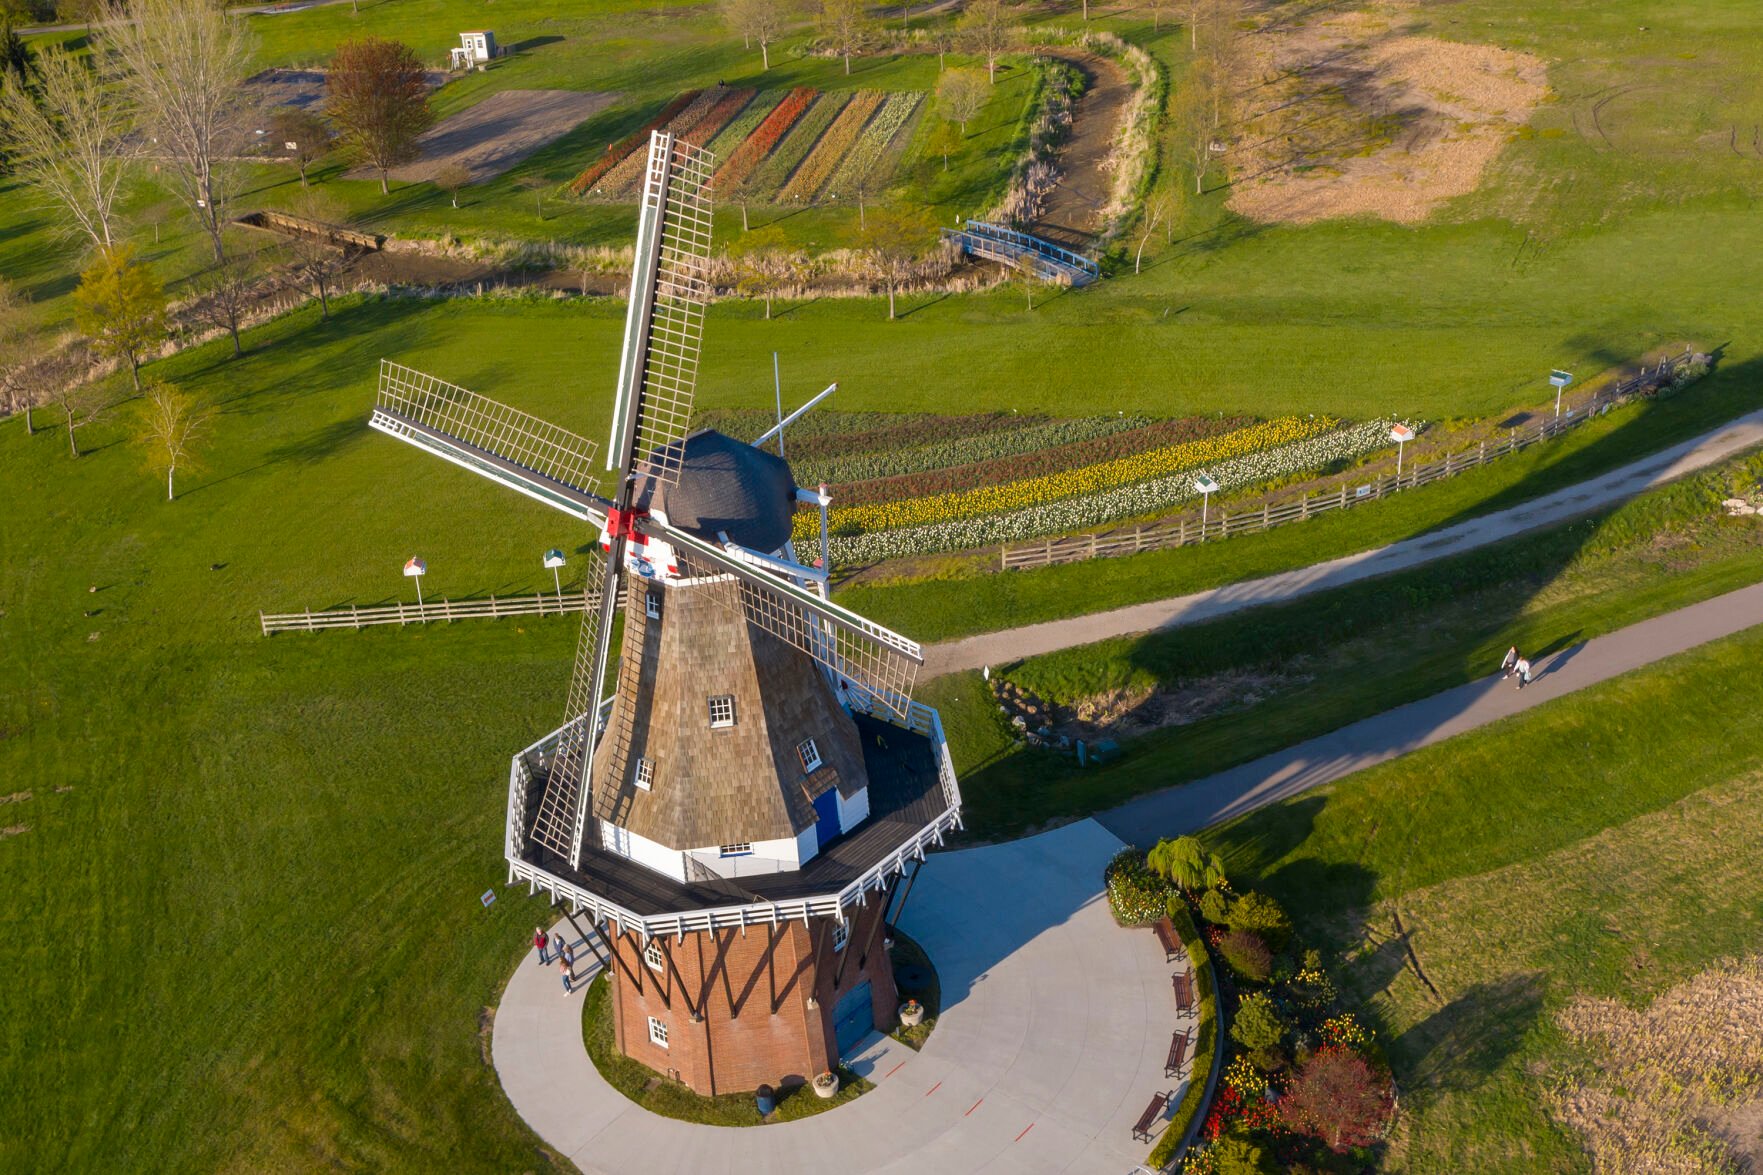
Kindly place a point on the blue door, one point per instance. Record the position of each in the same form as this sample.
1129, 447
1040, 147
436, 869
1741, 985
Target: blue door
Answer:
826, 816
853, 1017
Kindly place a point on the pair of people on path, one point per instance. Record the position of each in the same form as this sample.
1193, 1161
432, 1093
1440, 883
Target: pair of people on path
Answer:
1515, 664
544, 943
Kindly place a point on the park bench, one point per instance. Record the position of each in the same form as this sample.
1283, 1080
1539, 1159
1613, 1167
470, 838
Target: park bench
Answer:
1178, 1053
1142, 1130
1184, 991
1170, 940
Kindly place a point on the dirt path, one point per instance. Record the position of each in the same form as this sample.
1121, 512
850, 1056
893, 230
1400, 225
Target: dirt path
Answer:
1072, 214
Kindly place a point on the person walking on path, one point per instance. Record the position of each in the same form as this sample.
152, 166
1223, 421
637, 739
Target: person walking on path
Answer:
542, 944
565, 951
1522, 672
563, 969
1509, 662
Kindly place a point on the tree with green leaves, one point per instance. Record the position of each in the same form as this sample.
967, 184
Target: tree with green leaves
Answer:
1239, 1154
945, 140
172, 426
1186, 862
303, 134
895, 241
1257, 1025
985, 28
845, 26
65, 135
961, 95
1264, 916
120, 307
377, 95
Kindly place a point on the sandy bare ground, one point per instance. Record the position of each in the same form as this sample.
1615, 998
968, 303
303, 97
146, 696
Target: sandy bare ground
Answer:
1072, 212
1352, 115
499, 132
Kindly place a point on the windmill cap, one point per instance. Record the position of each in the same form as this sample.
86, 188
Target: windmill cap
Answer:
726, 487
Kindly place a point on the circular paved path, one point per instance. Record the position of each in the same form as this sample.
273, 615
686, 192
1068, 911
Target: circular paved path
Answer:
1052, 1039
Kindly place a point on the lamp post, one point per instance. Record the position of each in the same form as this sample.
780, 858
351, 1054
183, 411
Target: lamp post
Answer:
1559, 379
415, 569
1207, 488
554, 559
1401, 434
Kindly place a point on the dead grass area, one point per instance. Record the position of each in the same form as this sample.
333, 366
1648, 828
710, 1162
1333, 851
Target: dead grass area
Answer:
1677, 1083
499, 132
1354, 116
1133, 711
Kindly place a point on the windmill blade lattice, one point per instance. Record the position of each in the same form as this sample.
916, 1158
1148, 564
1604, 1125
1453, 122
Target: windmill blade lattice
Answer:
871, 659
664, 330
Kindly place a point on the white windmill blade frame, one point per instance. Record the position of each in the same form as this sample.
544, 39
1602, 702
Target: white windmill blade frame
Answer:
867, 656
544, 461
664, 320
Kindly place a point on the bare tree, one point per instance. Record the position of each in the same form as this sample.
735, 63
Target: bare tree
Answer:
759, 21
378, 98
536, 184
172, 425
120, 306
63, 385
945, 140
961, 95
1157, 7
303, 135
895, 242
846, 26
156, 215
224, 294
737, 191
1192, 117
18, 347
986, 31
1159, 209
763, 264
186, 62
451, 177
65, 134
314, 260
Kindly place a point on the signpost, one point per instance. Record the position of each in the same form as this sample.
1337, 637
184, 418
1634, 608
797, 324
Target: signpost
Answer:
1559, 379
1207, 488
416, 568
1401, 434
554, 559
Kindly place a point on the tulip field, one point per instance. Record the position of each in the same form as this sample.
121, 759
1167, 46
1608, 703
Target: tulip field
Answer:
797, 146
921, 484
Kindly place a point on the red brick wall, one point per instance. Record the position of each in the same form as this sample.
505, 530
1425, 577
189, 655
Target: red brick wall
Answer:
751, 993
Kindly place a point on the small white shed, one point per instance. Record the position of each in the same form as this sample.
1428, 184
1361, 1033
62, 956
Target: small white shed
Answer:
474, 49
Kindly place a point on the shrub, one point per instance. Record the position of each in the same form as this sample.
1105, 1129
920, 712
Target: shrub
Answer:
1261, 914
1238, 1154
1135, 894
1214, 907
1247, 955
1186, 862
1338, 1099
1257, 1025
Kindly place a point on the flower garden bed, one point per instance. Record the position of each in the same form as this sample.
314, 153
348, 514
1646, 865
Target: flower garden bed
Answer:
755, 148
885, 129
617, 152
833, 147
789, 154
740, 129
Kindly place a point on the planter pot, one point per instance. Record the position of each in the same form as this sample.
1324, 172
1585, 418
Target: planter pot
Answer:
826, 1085
911, 1015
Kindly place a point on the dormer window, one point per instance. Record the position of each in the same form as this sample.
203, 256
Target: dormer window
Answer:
722, 711
644, 775
652, 604
809, 754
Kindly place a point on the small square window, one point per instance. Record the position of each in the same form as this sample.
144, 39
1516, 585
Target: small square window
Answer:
739, 849
652, 956
644, 775
657, 1032
652, 604
722, 711
841, 935
809, 754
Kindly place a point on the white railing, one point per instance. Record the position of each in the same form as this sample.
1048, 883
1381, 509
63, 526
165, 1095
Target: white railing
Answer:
351, 616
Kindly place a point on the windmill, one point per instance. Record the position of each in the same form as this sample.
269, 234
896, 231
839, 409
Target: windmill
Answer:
661, 824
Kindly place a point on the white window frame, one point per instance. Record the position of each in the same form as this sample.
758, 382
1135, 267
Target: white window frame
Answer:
841, 935
652, 957
738, 849
643, 775
809, 753
652, 603
657, 1032
728, 706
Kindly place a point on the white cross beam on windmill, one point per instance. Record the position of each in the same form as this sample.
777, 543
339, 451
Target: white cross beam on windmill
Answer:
651, 420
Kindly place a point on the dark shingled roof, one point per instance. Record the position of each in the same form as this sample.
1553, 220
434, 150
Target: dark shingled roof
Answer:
729, 486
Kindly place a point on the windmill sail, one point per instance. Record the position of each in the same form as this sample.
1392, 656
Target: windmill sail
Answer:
873, 660
506, 445
652, 412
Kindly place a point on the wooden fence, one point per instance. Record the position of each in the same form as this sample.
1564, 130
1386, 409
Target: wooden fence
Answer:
351, 616
1221, 524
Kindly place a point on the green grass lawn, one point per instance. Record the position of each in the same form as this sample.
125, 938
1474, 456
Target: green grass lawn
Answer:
1585, 847
1330, 659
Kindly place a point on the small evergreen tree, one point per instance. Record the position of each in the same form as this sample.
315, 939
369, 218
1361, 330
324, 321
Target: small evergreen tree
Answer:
1214, 907
1257, 1025
1263, 915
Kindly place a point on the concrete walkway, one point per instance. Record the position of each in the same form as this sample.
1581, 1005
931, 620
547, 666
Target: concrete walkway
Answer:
1375, 740
1000, 648
1051, 1041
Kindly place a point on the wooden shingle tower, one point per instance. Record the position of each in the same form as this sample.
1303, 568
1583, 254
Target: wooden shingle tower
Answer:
742, 818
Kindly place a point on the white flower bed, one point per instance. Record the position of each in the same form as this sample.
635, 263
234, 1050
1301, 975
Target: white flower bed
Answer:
1125, 502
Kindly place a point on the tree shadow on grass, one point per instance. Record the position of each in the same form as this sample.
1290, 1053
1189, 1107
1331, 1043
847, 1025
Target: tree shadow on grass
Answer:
1461, 1045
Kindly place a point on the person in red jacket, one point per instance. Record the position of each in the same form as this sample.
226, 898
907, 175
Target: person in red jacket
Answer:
542, 944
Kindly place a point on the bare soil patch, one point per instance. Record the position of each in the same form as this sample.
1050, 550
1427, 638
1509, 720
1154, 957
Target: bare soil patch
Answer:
1129, 712
1072, 211
500, 131
1362, 118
